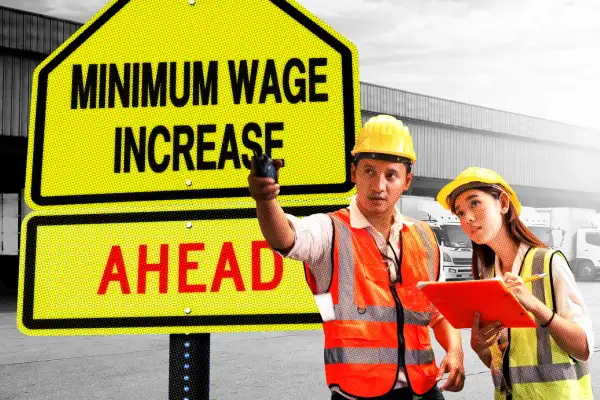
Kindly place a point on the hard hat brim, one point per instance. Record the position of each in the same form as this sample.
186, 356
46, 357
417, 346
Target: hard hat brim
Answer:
397, 158
444, 196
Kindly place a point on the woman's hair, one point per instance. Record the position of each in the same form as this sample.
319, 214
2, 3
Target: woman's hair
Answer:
482, 253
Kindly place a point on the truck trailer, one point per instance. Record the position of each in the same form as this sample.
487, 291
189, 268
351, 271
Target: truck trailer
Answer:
539, 224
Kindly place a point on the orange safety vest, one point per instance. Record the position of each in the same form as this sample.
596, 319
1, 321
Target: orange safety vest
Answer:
379, 327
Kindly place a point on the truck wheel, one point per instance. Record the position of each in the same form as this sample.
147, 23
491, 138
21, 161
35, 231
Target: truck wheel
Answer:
587, 271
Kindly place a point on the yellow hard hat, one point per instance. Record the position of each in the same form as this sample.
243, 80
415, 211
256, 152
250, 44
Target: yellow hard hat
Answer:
471, 178
385, 135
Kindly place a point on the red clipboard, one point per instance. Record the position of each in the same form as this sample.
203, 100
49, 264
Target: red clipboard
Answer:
458, 302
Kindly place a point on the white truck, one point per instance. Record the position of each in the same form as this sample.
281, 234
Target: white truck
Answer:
577, 234
538, 222
453, 241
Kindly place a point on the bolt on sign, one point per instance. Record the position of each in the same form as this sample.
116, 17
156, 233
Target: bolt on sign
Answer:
167, 100
139, 273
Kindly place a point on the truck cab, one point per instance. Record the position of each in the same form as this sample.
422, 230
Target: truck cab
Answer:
588, 253
456, 250
454, 243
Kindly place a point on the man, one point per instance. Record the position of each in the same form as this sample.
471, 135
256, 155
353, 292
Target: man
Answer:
363, 264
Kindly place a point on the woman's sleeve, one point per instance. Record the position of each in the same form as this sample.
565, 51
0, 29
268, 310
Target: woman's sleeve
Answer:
569, 300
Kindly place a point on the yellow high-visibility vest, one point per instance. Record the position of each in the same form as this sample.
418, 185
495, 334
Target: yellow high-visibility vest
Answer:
533, 366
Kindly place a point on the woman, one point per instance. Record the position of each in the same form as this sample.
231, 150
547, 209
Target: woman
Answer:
547, 362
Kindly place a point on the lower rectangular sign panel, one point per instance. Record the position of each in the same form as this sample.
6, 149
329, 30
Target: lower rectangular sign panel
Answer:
159, 272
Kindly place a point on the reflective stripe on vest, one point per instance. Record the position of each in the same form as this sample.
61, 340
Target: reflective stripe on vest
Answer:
367, 355
361, 343
537, 365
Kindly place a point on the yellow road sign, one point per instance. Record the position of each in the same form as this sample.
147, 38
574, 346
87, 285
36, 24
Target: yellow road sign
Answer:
162, 100
168, 272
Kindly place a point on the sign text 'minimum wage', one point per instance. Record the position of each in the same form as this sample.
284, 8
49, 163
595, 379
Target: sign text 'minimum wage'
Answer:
182, 84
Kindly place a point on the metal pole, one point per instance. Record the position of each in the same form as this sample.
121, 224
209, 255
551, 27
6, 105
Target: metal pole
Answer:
189, 366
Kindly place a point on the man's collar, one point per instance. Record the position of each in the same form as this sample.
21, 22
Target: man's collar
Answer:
359, 221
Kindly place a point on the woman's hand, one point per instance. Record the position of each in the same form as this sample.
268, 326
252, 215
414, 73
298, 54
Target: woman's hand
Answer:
483, 337
515, 284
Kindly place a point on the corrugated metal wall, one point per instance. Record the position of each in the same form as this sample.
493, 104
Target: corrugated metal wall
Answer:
25, 40
384, 100
34, 33
444, 151
15, 94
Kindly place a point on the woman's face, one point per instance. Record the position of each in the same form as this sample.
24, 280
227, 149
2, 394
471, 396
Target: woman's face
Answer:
481, 215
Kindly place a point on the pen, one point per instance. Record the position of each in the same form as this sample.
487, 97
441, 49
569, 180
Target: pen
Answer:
534, 278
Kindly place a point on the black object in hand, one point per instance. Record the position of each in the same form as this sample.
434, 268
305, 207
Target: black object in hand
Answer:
264, 166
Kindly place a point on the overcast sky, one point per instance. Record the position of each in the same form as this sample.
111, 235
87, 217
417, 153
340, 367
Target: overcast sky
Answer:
534, 57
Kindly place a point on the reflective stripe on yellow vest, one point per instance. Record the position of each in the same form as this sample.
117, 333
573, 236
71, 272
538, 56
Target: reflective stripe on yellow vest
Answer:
536, 367
362, 351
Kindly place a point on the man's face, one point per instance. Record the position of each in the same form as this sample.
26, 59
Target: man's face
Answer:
379, 185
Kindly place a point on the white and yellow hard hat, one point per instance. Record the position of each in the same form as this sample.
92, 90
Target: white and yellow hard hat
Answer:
471, 178
385, 135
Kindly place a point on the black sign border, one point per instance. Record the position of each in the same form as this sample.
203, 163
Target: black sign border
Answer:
40, 117
148, 322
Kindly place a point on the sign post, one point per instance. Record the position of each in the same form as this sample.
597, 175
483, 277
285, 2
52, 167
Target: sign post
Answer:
142, 128
189, 366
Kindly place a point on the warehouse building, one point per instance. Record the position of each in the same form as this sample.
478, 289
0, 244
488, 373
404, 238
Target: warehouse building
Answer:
551, 164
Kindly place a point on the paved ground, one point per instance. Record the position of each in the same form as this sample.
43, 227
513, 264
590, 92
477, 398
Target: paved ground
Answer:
281, 365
